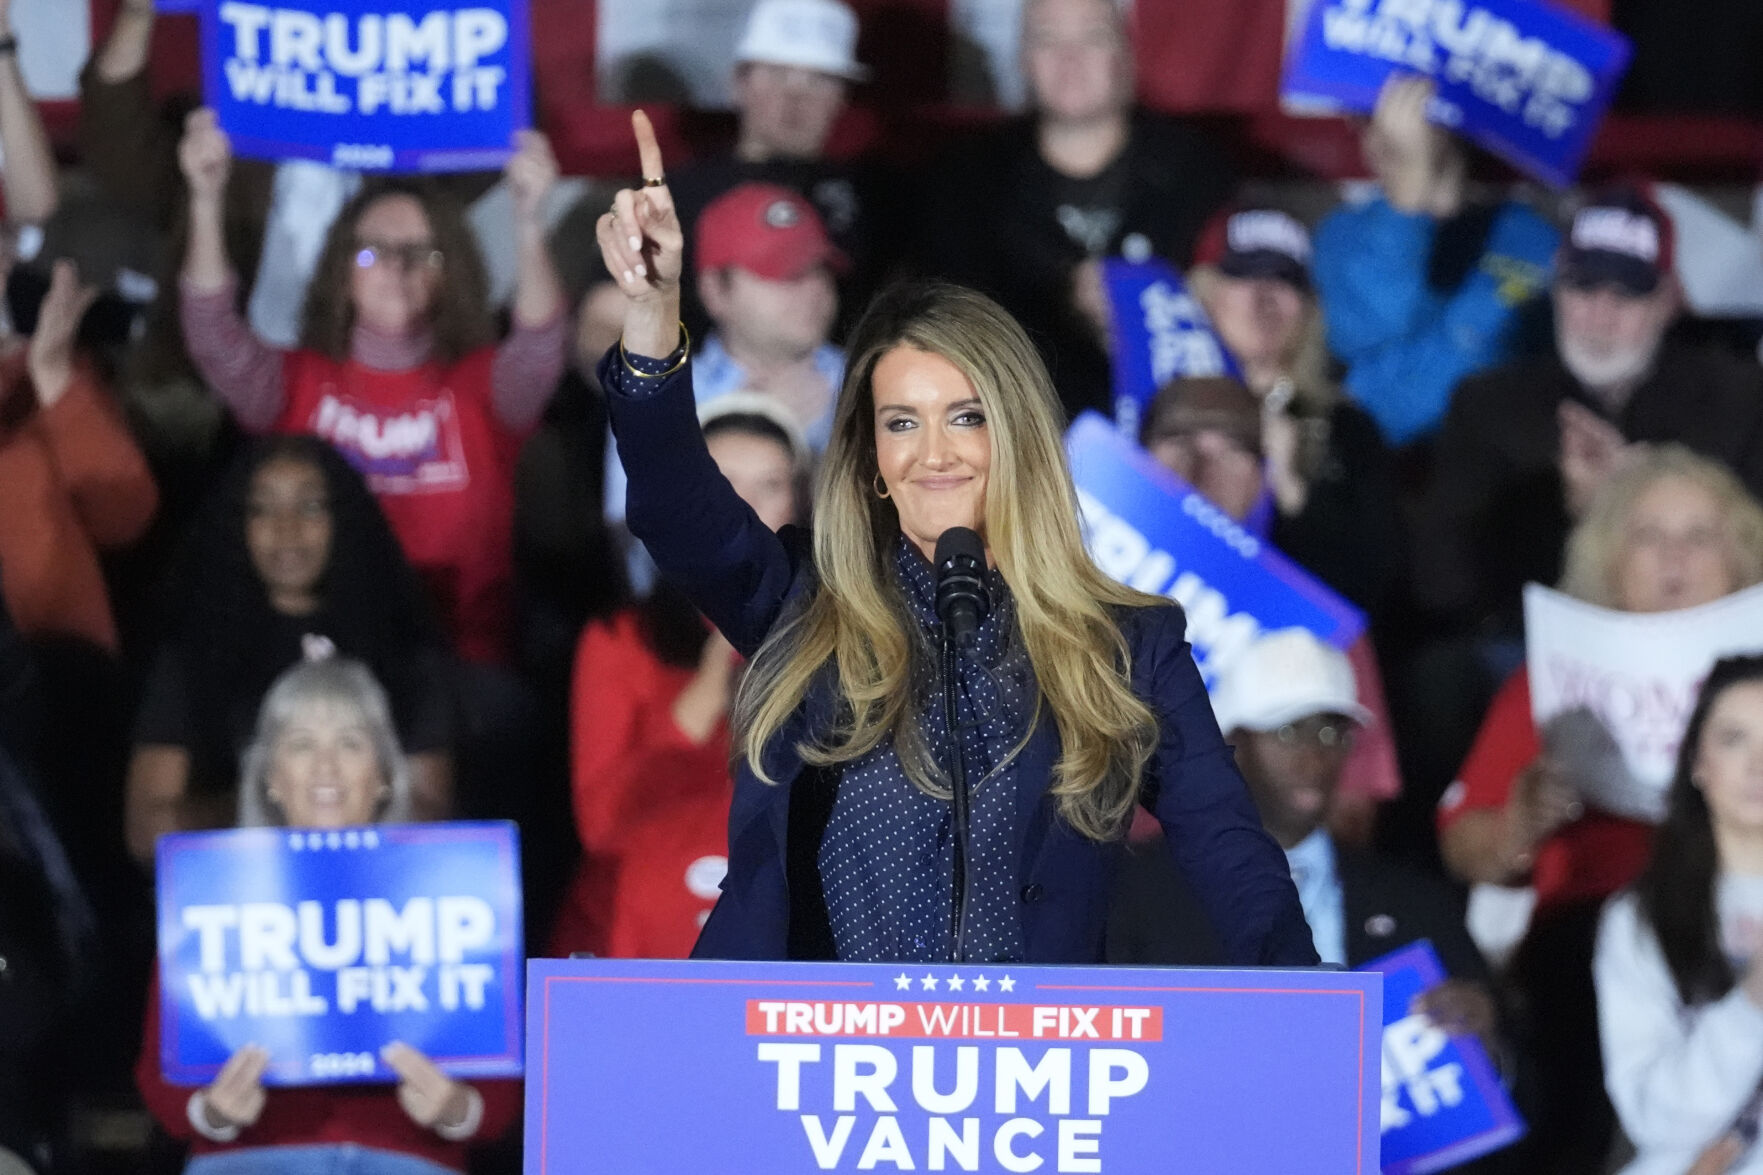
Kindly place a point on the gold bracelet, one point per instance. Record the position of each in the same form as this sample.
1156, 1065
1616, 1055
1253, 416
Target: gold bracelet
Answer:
685, 350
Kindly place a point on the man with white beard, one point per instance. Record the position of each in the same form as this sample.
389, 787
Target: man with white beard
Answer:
1525, 447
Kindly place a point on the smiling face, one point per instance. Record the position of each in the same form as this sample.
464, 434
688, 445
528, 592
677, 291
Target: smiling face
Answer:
324, 771
288, 532
1674, 549
1729, 759
397, 267
932, 446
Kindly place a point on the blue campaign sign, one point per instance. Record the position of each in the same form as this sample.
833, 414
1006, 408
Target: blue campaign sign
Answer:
1152, 531
1442, 1103
1527, 79
322, 947
682, 1067
1160, 332
372, 85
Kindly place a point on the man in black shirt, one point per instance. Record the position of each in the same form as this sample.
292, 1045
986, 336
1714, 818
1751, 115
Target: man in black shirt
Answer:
1526, 447
1028, 211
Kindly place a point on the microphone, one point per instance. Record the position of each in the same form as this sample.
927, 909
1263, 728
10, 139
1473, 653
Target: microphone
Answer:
962, 598
962, 602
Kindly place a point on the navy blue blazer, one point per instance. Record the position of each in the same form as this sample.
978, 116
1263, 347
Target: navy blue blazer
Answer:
711, 545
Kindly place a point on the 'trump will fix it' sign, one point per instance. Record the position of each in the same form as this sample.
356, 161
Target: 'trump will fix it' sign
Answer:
386, 86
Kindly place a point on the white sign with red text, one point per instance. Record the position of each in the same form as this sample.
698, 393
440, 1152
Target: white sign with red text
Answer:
1612, 691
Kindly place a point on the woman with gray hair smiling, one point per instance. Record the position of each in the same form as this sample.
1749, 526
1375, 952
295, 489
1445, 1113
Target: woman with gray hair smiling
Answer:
326, 753
325, 756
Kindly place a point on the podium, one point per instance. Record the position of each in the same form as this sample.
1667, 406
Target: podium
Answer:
685, 1067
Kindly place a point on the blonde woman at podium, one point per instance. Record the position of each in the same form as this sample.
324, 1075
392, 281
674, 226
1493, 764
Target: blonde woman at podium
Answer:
860, 830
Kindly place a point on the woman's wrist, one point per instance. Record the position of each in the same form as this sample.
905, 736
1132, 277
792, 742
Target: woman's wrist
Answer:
652, 330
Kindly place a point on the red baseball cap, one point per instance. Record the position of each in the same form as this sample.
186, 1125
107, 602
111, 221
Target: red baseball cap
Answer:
768, 230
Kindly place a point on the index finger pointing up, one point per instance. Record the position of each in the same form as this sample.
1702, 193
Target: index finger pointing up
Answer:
648, 150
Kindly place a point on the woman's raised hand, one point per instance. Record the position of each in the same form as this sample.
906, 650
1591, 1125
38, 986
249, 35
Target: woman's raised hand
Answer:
206, 155
643, 246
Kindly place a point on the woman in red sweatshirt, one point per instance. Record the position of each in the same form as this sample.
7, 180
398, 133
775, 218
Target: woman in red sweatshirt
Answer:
397, 366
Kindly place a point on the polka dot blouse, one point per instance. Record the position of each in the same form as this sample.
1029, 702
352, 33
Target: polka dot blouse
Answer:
887, 862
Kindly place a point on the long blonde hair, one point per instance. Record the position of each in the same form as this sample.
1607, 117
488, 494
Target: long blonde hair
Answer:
1595, 546
856, 629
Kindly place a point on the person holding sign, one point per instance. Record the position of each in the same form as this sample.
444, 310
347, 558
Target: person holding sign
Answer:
1420, 287
1077, 700
326, 757
1672, 531
396, 366
1679, 962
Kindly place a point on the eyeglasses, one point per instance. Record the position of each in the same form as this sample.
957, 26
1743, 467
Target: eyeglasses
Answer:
1332, 734
408, 255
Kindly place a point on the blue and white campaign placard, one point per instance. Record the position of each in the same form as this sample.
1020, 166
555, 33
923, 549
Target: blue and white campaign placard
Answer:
1442, 1102
682, 1067
371, 85
1527, 79
325, 946
1160, 332
1152, 531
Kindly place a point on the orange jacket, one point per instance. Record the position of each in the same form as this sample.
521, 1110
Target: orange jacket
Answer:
72, 483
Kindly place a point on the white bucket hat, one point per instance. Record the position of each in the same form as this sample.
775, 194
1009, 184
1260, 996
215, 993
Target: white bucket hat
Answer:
810, 34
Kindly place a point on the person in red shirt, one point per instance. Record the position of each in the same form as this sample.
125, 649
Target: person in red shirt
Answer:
1670, 530
73, 480
396, 366
325, 756
650, 728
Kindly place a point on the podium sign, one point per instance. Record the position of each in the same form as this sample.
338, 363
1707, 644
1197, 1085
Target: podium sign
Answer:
681, 1067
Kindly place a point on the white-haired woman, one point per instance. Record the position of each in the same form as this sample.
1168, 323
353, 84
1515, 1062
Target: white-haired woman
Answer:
326, 755
1077, 701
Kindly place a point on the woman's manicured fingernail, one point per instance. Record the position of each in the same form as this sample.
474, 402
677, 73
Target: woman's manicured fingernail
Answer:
642, 271
627, 276
636, 242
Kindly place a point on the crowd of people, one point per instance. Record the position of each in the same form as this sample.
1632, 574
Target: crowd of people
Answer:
315, 516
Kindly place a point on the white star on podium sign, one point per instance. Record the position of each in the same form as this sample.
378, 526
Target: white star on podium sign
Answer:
980, 983
954, 983
1006, 984
902, 982
930, 983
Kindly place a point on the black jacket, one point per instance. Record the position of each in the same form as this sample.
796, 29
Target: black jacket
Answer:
1495, 518
1155, 920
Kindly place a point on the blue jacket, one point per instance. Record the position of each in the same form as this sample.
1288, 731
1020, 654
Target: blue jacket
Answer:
709, 543
1407, 343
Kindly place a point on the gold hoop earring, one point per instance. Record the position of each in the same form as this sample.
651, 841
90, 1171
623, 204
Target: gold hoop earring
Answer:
880, 487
